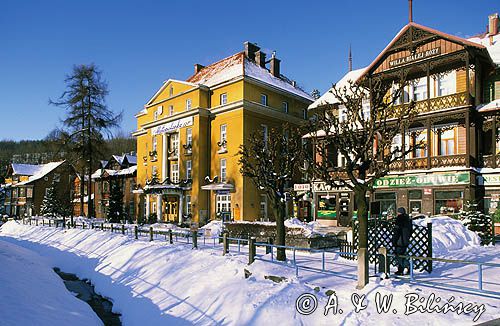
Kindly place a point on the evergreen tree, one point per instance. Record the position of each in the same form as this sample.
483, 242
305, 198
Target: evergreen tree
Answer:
477, 221
51, 207
88, 117
115, 208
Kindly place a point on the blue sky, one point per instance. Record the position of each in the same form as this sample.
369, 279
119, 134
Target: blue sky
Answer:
139, 44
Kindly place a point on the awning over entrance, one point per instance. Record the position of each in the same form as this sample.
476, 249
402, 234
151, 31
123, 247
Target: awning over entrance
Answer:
218, 186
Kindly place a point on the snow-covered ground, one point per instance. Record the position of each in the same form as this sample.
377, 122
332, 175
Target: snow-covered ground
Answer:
156, 283
31, 293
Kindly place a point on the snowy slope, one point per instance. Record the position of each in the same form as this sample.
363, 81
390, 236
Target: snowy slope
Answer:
31, 293
154, 283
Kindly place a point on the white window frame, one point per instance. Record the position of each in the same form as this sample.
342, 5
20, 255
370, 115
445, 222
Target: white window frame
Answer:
189, 140
447, 84
171, 110
223, 99
223, 134
174, 143
223, 203
223, 170
284, 105
174, 172
366, 109
188, 204
189, 169
188, 104
155, 143
263, 99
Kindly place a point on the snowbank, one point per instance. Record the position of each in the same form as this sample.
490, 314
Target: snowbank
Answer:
213, 229
449, 234
33, 294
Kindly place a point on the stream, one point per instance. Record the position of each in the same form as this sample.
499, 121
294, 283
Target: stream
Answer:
85, 292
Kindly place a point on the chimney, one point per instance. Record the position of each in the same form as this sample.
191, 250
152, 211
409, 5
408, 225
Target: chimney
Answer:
198, 67
260, 58
493, 24
250, 50
274, 65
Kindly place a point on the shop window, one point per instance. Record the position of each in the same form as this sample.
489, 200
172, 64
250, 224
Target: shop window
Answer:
327, 207
387, 203
448, 202
415, 201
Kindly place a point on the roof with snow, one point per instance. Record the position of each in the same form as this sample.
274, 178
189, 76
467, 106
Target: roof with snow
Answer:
492, 106
492, 45
238, 65
37, 171
328, 97
99, 173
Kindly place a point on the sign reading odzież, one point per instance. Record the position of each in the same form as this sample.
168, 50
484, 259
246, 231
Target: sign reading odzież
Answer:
422, 180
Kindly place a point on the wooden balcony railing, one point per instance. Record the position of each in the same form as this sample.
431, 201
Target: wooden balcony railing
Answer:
420, 163
440, 103
449, 160
487, 161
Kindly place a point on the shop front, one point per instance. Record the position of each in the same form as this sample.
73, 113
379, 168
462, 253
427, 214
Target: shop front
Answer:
429, 194
491, 184
334, 205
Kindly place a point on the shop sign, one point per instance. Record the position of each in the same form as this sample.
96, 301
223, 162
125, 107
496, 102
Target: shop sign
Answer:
415, 57
423, 180
302, 187
491, 179
323, 187
172, 126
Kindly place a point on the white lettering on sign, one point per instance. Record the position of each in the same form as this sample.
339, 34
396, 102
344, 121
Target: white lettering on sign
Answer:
302, 187
172, 125
414, 57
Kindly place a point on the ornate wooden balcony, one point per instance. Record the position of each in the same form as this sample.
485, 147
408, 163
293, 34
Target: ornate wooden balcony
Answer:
488, 160
420, 163
440, 103
449, 160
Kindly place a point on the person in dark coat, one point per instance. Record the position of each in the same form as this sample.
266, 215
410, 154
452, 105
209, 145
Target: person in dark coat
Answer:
403, 228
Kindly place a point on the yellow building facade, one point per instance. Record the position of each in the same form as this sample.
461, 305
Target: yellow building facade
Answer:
189, 134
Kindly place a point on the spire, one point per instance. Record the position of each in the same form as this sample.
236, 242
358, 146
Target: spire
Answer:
410, 10
350, 58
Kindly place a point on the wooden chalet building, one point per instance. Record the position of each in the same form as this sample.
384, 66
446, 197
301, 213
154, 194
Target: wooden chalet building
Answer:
455, 83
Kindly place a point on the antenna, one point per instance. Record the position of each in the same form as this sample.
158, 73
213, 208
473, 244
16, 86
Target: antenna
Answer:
410, 10
350, 58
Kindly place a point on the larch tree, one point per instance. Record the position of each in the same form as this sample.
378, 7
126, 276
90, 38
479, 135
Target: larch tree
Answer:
361, 126
87, 121
273, 163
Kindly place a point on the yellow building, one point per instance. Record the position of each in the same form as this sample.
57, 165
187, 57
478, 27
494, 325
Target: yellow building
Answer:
189, 134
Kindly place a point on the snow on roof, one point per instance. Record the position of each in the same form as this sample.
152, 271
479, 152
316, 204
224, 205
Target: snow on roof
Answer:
41, 171
132, 159
238, 65
99, 172
492, 106
493, 45
25, 169
255, 71
328, 97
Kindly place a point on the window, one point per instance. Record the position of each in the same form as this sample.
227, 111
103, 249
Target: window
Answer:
415, 201
420, 90
284, 105
189, 169
223, 135
189, 140
327, 207
396, 145
419, 136
263, 99
175, 173
174, 144
387, 203
263, 207
22, 192
447, 142
446, 84
171, 110
188, 104
223, 170
188, 204
342, 114
154, 171
223, 203
447, 202
366, 109
265, 135
155, 143
132, 186
171, 91
153, 208
155, 115
57, 177
29, 192
304, 114
223, 98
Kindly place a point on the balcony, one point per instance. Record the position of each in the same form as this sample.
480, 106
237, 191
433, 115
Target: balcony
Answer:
421, 163
439, 103
488, 160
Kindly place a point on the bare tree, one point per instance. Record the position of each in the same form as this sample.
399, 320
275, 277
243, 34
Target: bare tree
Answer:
364, 135
273, 164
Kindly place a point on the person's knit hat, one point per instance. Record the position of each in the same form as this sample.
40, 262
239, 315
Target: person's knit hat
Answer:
401, 210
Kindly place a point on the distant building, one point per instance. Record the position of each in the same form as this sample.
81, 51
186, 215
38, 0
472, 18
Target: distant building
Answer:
26, 184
